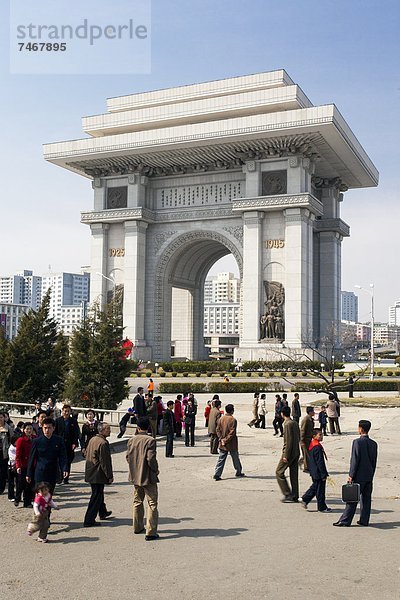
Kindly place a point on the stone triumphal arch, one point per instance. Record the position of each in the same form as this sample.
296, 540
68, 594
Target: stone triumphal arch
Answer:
186, 175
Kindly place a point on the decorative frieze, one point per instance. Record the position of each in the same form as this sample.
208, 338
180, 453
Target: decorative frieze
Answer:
279, 203
117, 197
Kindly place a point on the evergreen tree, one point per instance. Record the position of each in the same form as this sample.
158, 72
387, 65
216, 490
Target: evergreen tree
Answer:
98, 368
37, 358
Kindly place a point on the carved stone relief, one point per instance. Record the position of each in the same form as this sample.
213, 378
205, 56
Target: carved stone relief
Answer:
272, 322
274, 182
117, 197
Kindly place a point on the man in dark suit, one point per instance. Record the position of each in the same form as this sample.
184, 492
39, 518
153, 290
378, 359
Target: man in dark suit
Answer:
47, 456
364, 454
68, 428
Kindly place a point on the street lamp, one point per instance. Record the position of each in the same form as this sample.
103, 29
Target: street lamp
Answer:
333, 368
322, 366
371, 293
108, 279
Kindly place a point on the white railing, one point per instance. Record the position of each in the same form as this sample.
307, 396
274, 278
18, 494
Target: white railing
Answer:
21, 410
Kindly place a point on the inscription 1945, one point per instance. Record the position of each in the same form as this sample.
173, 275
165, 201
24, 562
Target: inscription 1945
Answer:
275, 244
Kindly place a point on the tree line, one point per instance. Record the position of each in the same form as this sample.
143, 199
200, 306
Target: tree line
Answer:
88, 369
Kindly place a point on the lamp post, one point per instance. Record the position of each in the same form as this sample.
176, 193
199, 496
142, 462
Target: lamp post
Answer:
371, 293
108, 279
333, 369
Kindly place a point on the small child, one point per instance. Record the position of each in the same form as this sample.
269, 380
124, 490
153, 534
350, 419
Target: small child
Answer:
12, 469
318, 472
323, 419
42, 504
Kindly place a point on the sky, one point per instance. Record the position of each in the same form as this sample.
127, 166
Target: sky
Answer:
341, 52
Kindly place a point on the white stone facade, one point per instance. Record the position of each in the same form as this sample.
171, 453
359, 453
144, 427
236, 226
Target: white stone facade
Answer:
184, 176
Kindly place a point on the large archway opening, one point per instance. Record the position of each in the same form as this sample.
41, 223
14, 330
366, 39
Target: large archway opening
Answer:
181, 280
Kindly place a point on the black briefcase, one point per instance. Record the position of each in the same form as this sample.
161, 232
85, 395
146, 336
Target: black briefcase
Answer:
351, 492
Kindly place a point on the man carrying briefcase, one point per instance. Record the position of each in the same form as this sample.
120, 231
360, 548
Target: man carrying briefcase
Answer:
364, 454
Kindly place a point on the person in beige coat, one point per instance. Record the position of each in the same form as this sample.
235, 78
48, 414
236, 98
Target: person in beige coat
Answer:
254, 420
228, 443
143, 473
333, 415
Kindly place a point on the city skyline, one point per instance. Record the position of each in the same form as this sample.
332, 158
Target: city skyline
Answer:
356, 73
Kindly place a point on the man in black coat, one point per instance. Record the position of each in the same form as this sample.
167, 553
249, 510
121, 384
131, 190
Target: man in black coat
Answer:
169, 428
318, 472
68, 428
364, 454
47, 457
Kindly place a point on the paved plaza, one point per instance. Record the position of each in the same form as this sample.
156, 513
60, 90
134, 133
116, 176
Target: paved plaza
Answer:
231, 538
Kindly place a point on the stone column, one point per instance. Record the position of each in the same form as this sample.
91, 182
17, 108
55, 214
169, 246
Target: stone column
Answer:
136, 190
298, 288
330, 282
252, 277
99, 249
134, 286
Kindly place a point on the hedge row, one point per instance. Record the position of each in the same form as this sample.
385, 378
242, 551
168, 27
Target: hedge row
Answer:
218, 388
201, 366
359, 386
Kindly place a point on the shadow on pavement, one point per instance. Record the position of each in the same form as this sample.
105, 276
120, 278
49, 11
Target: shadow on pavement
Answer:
389, 525
197, 533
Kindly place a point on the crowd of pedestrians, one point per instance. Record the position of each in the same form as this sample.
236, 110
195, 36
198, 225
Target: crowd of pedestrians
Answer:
37, 455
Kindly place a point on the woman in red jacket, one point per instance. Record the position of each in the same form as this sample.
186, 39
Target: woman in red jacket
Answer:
23, 447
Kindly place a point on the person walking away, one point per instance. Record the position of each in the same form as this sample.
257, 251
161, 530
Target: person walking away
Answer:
68, 428
318, 472
141, 456
160, 412
215, 415
277, 422
151, 409
189, 418
296, 408
42, 505
262, 411
98, 473
254, 420
23, 448
364, 456
289, 459
323, 419
306, 433
169, 429
228, 443
332, 413
178, 415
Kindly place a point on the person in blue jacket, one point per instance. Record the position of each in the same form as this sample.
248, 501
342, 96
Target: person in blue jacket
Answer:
318, 472
48, 455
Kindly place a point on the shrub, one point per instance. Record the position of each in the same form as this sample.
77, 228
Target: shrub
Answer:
220, 387
198, 374
283, 373
294, 373
209, 374
248, 374
234, 374
272, 374
389, 373
379, 373
196, 366
304, 373
397, 373
148, 374
261, 374
174, 373
360, 386
162, 374
185, 374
